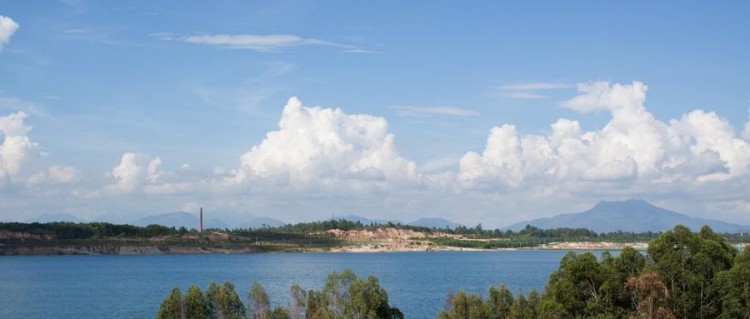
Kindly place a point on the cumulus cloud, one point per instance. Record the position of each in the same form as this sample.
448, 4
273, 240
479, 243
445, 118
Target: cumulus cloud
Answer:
7, 28
55, 174
15, 146
322, 147
698, 148
133, 170
141, 173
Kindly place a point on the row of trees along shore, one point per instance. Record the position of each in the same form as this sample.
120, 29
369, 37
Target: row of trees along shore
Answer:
344, 296
684, 275
526, 237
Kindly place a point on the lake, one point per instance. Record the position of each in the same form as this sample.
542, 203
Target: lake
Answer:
133, 286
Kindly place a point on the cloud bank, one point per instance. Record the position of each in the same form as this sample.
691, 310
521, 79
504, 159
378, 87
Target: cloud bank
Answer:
321, 160
633, 146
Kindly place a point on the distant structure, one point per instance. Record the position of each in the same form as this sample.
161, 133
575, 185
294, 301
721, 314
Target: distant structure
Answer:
201, 219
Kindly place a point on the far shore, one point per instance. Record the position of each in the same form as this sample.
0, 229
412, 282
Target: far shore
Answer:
379, 248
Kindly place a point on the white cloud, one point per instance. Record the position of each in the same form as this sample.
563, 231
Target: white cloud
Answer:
432, 110
62, 174
133, 170
55, 174
746, 132
140, 173
528, 90
15, 146
633, 147
126, 174
325, 148
7, 28
258, 42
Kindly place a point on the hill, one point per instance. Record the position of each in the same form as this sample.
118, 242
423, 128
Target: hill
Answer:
435, 222
631, 215
260, 222
179, 219
60, 217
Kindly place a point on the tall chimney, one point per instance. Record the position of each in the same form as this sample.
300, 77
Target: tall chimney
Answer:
201, 219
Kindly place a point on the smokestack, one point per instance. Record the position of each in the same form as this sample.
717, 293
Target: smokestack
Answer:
201, 219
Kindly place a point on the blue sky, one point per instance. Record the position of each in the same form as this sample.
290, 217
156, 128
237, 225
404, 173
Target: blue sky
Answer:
114, 110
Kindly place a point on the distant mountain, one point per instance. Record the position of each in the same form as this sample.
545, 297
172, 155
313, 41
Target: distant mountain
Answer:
59, 217
259, 222
179, 219
633, 215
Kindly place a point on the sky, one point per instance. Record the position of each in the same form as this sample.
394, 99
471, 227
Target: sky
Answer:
487, 112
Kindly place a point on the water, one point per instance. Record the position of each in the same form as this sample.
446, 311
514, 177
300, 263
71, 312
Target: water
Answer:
133, 286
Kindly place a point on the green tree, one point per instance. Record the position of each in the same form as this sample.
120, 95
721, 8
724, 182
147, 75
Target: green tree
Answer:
195, 306
735, 287
228, 303
688, 263
171, 306
258, 303
464, 306
575, 286
346, 296
615, 272
280, 313
500, 301
298, 304
368, 300
211, 307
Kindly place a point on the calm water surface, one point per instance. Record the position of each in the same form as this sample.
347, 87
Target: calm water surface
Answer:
133, 286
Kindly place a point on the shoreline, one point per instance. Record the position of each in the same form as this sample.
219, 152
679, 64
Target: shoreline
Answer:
364, 248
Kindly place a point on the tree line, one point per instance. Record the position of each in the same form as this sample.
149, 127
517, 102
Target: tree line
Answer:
344, 295
683, 275
69, 230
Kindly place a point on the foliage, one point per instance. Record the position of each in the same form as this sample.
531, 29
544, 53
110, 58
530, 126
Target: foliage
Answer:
688, 264
171, 307
195, 305
258, 303
650, 296
686, 275
734, 287
344, 296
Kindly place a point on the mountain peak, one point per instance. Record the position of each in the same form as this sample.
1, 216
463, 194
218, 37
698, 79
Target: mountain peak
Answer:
634, 202
635, 215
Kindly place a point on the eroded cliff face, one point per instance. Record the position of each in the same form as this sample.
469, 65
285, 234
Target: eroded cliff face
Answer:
387, 234
6, 234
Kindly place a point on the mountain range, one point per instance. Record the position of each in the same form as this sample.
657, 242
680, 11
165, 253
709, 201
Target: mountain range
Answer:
58, 217
632, 215
188, 220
